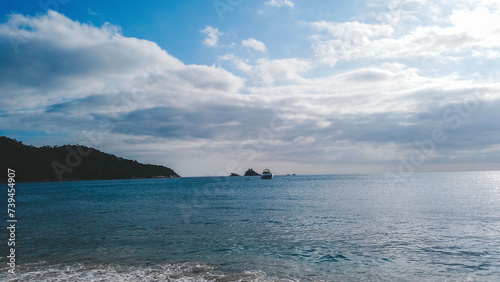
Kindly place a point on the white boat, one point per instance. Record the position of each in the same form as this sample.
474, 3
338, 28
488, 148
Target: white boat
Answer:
266, 174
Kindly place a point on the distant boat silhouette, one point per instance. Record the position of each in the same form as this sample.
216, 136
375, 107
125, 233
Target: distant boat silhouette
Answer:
266, 174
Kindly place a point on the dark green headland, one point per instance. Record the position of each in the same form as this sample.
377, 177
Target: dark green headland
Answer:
70, 162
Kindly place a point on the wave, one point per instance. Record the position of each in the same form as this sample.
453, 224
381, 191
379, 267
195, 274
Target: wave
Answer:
187, 271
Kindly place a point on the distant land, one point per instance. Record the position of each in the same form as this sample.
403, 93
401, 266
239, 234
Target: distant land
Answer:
70, 162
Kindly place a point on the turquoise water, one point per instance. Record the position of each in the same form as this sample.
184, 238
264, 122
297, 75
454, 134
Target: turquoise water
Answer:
433, 226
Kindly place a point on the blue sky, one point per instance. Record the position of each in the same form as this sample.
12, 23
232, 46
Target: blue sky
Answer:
214, 87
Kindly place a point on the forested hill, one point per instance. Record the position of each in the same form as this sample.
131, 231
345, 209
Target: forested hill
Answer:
70, 162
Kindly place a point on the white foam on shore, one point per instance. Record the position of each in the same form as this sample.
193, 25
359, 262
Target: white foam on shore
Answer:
183, 272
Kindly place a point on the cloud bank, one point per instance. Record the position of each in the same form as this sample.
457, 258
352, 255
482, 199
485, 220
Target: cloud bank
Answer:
130, 97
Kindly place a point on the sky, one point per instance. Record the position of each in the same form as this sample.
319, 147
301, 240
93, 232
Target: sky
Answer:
214, 87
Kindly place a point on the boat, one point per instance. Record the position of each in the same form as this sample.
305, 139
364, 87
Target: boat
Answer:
266, 174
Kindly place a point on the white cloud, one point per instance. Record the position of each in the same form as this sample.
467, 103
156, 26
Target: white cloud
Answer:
480, 23
60, 60
268, 72
254, 44
346, 41
280, 3
213, 35
453, 38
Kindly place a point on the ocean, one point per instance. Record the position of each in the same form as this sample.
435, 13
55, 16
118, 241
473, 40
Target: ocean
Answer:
424, 227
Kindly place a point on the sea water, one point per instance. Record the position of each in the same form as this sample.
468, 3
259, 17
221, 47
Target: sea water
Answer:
420, 227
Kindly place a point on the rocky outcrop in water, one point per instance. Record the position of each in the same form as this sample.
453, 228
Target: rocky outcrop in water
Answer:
251, 172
